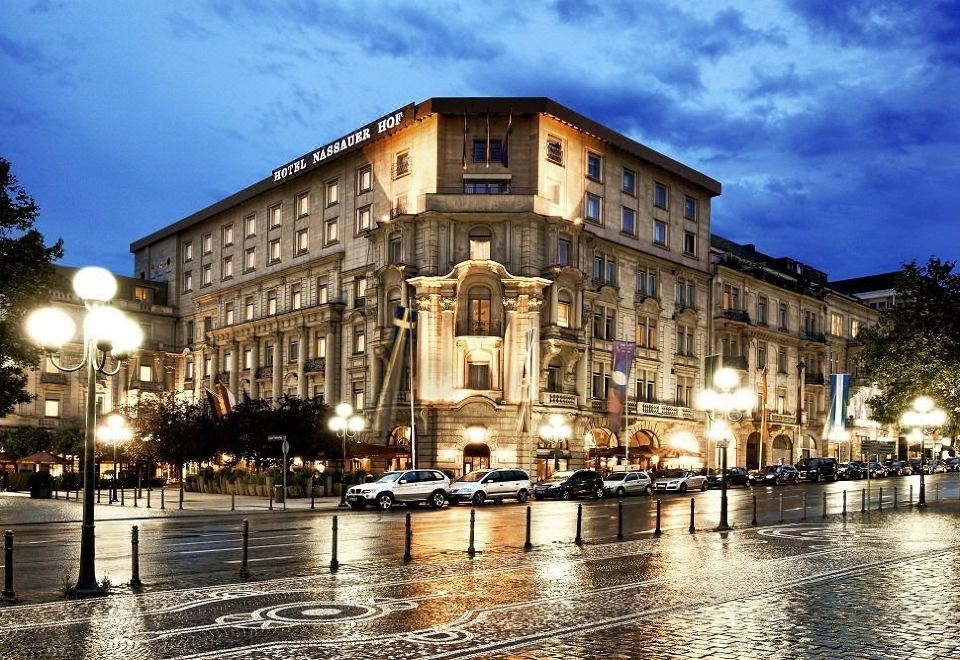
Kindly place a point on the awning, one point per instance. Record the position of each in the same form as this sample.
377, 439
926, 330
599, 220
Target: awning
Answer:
43, 458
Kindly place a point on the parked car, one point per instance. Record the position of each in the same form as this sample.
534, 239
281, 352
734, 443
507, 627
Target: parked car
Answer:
679, 480
820, 468
899, 468
497, 484
774, 475
736, 476
953, 465
851, 471
633, 482
875, 470
402, 486
568, 485
936, 467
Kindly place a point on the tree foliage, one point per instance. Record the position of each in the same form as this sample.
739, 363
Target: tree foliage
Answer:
26, 279
915, 347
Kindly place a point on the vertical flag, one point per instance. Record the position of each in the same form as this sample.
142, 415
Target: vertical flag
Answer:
464, 139
528, 386
405, 320
764, 417
217, 404
711, 364
622, 359
801, 368
839, 393
488, 137
505, 147
229, 398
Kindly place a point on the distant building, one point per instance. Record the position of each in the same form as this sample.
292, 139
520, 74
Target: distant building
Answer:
61, 397
877, 291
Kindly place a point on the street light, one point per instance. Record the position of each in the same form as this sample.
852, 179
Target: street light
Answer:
106, 330
555, 431
726, 403
839, 435
923, 418
346, 425
115, 431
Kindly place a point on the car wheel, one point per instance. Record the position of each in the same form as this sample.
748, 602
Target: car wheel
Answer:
815, 477
621, 492
478, 498
648, 490
683, 488
522, 496
498, 500
777, 481
358, 506
566, 495
703, 486
437, 499
385, 501
598, 493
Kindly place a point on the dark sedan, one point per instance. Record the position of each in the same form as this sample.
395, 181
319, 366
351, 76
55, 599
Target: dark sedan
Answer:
898, 468
876, 470
569, 485
736, 476
773, 475
850, 471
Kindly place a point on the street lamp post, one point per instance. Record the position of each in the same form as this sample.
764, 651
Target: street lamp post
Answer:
115, 431
346, 425
555, 431
106, 330
924, 417
723, 405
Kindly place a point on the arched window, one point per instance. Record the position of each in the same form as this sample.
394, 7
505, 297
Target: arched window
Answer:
564, 309
480, 243
478, 311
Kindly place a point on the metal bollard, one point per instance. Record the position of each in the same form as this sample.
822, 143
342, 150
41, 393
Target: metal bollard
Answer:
863, 500
844, 502
56, 494
313, 496
271, 499
894, 497
656, 531
579, 538
824, 505
620, 519
162, 495
911, 494
408, 540
754, 520
781, 507
473, 519
123, 494
180, 503
334, 564
9, 595
880, 500
66, 494
233, 501
803, 516
527, 545
98, 493
136, 497
135, 582
936, 492
245, 539
148, 498
693, 505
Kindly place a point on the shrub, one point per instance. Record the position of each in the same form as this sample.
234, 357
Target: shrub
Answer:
19, 480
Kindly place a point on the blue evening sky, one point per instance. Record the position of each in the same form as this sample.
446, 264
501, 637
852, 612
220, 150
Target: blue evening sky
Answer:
833, 126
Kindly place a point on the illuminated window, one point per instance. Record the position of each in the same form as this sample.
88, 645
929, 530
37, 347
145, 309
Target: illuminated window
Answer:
250, 225
480, 243
228, 236
207, 243
303, 204
303, 241
275, 250
478, 311
51, 408
296, 298
188, 251
275, 216
146, 372
207, 274
363, 218
330, 235
250, 259
227, 267
564, 309
333, 192
364, 179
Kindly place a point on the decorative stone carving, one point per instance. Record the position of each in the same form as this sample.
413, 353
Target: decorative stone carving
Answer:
448, 304
511, 304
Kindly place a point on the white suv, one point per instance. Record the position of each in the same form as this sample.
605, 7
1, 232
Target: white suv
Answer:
407, 486
497, 485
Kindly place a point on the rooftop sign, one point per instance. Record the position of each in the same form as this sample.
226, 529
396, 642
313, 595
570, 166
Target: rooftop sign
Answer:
348, 142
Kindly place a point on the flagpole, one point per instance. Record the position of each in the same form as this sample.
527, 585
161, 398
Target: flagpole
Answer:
626, 421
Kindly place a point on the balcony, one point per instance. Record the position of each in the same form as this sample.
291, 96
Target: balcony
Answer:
812, 378
558, 399
559, 332
447, 200
55, 378
738, 315
315, 365
812, 335
146, 386
735, 362
662, 410
264, 372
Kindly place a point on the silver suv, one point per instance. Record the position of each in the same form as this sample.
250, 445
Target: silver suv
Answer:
403, 486
497, 485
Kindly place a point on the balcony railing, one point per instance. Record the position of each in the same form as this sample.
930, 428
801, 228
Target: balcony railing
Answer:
735, 362
146, 385
662, 410
315, 365
561, 399
739, 315
812, 378
264, 372
812, 335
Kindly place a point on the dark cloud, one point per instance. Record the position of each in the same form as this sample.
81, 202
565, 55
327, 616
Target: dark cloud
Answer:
27, 53
784, 82
575, 10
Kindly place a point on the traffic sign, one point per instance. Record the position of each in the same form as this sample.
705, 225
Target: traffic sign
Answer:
286, 447
876, 447
276, 438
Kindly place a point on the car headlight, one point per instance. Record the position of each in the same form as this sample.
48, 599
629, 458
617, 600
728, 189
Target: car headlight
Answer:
365, 491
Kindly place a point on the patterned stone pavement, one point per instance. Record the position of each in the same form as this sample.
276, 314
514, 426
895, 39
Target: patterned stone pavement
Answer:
885, 587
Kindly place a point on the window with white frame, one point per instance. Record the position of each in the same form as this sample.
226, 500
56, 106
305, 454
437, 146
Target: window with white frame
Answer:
250, 225
594, 166
303, 204
359, 339
660, 195
228, 235
660, 232
364, 179
593, 208
227, 269
187, 281
275, 250
207, 274
146, 373
275, 216
359, 291
189, 370
363, 218
51, 407
303, 241
187, 251
628, 182
296, 298
228, 313
321, 347
564, 309
248, 308
628, 221
330, 232
207, 243
250, 259
322, 298
272, 303
333, 192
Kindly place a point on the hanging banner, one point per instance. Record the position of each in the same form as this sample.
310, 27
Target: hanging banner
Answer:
623, 352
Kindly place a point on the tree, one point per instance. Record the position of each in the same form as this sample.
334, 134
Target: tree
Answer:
26, 278
915, 347
171, 430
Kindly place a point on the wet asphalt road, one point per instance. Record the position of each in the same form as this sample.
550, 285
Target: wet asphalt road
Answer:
200, 551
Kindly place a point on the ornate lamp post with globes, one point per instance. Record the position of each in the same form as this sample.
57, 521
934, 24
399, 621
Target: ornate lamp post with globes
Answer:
925, 418
555, 431
346, 425
107, 332
724, 405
